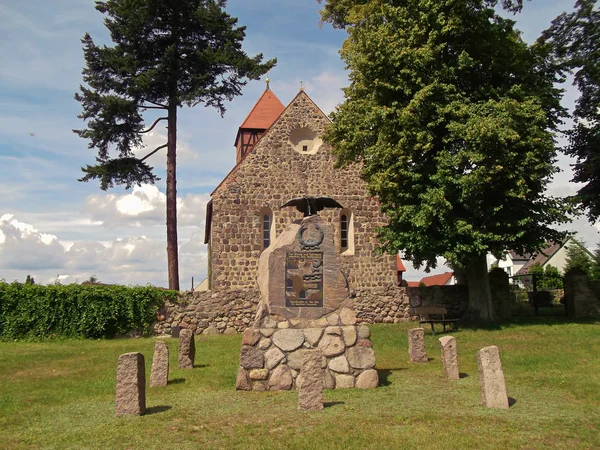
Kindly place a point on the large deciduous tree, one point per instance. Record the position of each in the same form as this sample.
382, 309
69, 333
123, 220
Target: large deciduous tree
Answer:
451, 115
166, 54
575, 39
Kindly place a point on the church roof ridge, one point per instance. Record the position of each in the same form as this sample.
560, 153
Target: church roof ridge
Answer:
264, 112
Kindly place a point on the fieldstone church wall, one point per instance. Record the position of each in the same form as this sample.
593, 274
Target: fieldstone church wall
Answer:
214, 312
275, 172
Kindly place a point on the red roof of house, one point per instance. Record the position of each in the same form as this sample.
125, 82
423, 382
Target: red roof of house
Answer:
413, 283
400, 264
266, 110
437, 280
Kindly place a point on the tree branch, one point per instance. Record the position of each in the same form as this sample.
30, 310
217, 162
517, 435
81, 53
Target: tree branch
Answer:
153, 125
157, 104
154, 151
152, 107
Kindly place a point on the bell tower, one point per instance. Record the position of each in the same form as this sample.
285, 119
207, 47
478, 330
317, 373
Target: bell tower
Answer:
266, 110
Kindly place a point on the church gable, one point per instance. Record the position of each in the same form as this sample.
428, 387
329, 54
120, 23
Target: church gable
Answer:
291, 160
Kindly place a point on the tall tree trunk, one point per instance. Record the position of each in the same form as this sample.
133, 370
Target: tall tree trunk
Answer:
480, 297
172, 245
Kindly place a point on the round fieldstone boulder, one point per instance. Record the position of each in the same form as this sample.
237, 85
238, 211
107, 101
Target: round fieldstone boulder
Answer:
361, 357
364, 332
251, 358
344, 381
332, 345
367, 379
274, 357
250, 337
294, 359
281, 379
339, 364
259, 374
313, 335
349, 335
288, 339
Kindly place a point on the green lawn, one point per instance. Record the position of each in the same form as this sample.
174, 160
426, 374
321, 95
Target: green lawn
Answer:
61, 395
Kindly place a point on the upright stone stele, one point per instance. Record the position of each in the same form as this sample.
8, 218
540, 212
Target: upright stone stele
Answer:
187, 349
159, 375
491, 377
310, 388
416, 345
131, 385
449, 357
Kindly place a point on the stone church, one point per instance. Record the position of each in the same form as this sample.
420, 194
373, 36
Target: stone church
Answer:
279, 156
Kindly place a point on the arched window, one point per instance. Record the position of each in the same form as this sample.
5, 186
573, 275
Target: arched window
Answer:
344, 232
266, 230
302, 295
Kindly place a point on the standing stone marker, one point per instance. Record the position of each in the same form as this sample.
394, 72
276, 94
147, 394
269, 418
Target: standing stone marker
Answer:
131, 385
449, 357
491, 377
310, 389
416, 345
159, 374
187, 349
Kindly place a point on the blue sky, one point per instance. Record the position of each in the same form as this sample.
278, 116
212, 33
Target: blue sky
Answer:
54, 226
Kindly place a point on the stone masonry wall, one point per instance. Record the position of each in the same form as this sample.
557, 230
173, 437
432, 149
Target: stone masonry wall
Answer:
273, 173
214, 312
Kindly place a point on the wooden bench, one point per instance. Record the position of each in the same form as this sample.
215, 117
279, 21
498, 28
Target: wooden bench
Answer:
433, 315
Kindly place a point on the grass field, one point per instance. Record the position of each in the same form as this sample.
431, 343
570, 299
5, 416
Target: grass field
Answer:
60, 395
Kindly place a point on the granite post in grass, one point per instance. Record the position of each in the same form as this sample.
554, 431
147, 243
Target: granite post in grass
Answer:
491, 377
416, 345
187, 349
159, 375
310, 388
449, 357
131, 385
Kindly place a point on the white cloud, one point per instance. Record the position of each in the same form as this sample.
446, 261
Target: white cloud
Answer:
130, 260
144, 205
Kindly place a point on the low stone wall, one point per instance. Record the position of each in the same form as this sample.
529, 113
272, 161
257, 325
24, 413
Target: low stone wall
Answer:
233, 311
209, 312
582, 296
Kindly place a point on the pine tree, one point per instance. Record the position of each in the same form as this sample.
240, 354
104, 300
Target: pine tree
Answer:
166, 54
578, 257
452, 116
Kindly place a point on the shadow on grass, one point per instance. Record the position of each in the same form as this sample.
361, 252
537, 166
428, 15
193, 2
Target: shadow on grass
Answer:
511, 401
526, 320
330, 404
384, 375
463, 375
157, 409
200, 366
176, 381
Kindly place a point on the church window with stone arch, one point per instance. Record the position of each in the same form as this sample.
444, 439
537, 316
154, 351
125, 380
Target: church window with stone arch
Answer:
267, 227
266, 230
346, 232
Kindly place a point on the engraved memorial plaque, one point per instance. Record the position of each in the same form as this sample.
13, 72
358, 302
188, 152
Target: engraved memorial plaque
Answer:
304, 279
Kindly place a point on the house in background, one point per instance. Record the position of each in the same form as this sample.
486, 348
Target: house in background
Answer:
512, 262
554, 254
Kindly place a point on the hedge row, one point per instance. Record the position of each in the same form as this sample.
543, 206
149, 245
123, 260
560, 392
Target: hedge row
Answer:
85, 311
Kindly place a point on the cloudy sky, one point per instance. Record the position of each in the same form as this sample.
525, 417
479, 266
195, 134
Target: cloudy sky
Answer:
54, 227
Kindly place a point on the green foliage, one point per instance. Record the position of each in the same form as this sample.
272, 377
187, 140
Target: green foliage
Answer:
578, 257
575, 41
547, 278
595, 269
341, 13
451, 114
92, 311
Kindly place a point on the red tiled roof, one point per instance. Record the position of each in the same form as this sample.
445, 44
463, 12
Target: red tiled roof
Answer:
413, 283
266, 110
437, 280
399, 264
